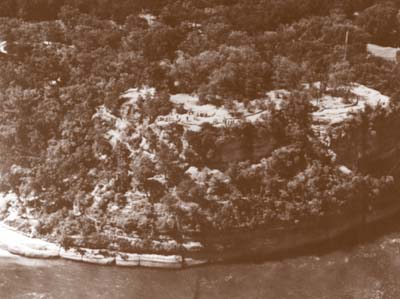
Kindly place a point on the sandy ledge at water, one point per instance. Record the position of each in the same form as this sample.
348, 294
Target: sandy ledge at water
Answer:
13, 242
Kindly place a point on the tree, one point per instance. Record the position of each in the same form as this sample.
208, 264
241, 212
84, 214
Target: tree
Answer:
286, 74
381, 22
156, 105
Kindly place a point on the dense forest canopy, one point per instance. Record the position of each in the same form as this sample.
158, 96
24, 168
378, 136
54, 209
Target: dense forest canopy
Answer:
66, 59
280, 11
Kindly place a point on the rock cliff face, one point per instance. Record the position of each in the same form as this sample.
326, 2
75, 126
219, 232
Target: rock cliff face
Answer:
282, 240
175, 180
373, 149
331, 112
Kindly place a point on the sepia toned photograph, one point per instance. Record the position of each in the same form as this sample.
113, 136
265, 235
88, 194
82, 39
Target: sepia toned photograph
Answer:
199, 149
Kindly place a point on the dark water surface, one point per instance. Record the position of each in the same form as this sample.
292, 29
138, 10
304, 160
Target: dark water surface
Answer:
370, 270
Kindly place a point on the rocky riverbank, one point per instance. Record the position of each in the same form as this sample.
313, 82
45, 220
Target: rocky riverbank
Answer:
17, 243
220, 248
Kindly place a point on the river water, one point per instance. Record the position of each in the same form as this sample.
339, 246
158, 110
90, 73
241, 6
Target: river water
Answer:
368, 270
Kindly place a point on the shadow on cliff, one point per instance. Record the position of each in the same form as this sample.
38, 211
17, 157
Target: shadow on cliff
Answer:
347, 241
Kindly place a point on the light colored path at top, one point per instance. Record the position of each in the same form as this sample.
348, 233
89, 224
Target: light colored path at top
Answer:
3, 45
387, 53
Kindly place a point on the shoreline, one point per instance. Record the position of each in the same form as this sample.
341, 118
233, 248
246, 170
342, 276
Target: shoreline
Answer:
16, 243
